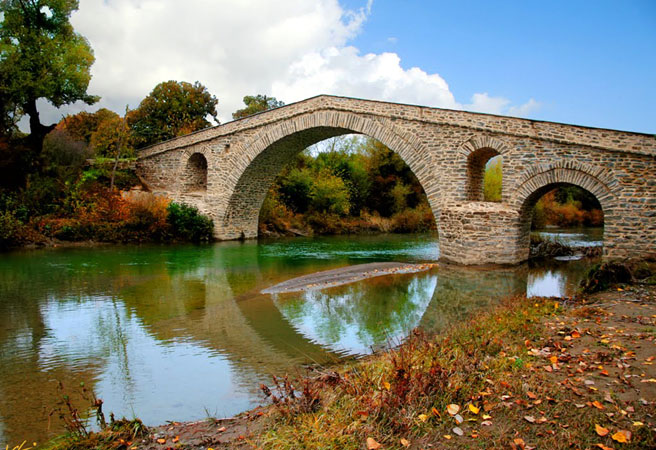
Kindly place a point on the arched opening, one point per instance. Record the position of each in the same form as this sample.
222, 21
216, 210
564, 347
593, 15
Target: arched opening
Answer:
194, 178
265, 156
563, 219
345, 184
484, 175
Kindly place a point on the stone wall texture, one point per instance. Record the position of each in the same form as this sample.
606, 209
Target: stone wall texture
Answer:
445, 149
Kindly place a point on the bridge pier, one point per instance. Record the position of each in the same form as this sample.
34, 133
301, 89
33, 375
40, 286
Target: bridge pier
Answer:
476, 233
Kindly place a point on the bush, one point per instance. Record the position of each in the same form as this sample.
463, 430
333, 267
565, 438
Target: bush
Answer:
9, 229
189, 224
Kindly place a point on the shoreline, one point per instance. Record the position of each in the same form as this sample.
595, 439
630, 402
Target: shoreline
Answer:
546, 385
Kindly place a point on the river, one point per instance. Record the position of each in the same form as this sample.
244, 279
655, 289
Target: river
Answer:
183, 332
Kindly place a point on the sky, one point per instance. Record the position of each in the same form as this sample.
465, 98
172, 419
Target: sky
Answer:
581, 62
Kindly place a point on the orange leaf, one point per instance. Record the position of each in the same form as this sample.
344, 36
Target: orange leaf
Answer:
603, 447
161, 441
597, 405
601, 431
531, 395
405, 442
622, 436
372, 444
553, 359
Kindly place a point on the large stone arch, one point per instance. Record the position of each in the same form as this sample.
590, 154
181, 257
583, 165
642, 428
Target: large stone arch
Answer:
473, 154
261, 158
532, 184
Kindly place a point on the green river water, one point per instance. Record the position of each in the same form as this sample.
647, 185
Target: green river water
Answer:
183, 332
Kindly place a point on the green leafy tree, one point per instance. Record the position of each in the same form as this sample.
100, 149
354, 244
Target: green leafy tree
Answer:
330, 195
41, 57
296, 189
173, 108
256, 104
492, 180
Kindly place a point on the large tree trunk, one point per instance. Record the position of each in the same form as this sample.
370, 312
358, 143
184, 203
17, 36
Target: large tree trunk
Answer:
38, 131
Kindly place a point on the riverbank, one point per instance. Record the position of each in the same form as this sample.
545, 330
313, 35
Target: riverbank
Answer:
542, 373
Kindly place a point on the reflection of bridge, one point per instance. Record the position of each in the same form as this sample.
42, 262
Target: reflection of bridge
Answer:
227, 170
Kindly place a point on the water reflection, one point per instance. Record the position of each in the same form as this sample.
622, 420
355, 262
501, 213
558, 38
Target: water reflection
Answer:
361, 317
172, 333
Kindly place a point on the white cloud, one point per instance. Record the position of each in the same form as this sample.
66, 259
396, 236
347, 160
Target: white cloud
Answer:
291, 49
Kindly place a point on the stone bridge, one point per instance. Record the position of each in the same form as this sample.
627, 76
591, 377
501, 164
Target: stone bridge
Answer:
226, 171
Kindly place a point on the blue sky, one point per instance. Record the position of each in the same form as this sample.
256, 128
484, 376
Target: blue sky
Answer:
586, 62
582, 62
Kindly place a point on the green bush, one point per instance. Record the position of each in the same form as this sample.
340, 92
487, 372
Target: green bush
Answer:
9, 229
189, 224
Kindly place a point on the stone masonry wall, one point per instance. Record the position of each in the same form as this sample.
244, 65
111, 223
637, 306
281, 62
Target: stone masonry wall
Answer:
446, 150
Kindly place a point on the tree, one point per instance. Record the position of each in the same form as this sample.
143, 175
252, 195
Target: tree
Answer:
256, 104
81, 126
173, 108
41, 56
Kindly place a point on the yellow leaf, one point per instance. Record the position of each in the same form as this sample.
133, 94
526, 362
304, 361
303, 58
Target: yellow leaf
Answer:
453, 409
372, 444
387, 385
601, 431
473, 409
638, 424
447, 436
405, 442
553, 359
486, 416
423, 417
622, 436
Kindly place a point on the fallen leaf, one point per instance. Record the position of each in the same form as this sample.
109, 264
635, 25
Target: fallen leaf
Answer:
435, 411
576, 335
372, 444
447, 436
458, 419
638, 424
161, 441
597, 405
531, 395
423, 417
622, 436
530, 419
221, 430
458, 431
486, 423
176, 439
486, 416
601, 431
473, 409
519, 442
453, 409
604, 372
554, 359
405, 442
387, 385
603, 447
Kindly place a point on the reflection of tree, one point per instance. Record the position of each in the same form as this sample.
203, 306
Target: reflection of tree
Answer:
362, 315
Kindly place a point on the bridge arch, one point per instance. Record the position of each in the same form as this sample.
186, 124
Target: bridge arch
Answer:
540, 179
476, 152
263, 156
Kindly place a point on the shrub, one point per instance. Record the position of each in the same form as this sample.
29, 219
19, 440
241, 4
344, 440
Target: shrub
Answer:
189, 224
9, 229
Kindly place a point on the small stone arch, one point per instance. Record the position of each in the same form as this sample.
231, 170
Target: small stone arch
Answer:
477, 151
261, 158
194, 174
538, 180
